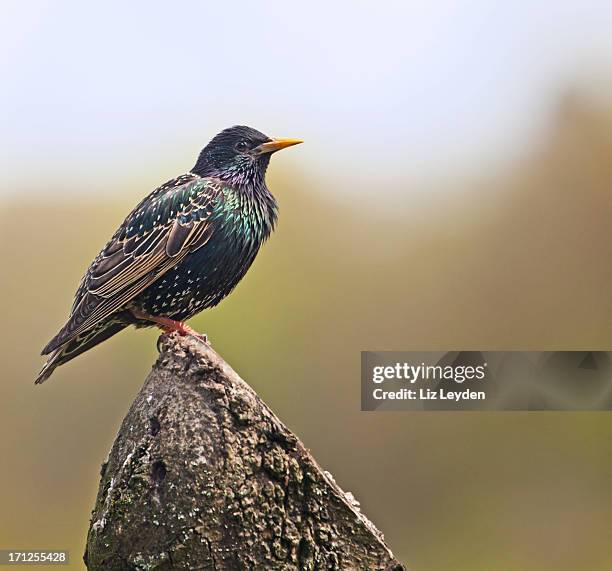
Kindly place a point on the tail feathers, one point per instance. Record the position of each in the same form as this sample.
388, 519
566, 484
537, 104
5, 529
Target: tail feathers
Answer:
62, 338
52, 363
78, 345
79, 315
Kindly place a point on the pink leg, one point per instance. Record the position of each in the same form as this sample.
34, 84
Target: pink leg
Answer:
169, 325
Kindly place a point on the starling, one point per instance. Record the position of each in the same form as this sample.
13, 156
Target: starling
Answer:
181, 250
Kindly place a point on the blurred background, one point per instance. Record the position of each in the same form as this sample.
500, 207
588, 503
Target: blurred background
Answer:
454, 192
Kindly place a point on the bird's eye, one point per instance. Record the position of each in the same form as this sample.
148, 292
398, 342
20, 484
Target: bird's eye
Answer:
242, 146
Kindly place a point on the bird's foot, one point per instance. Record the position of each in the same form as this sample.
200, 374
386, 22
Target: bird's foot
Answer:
168, 325
171, 325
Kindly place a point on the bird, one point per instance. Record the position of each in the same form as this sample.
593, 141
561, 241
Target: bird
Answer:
181, 250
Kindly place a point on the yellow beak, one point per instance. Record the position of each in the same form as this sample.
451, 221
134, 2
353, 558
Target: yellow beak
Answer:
276, 145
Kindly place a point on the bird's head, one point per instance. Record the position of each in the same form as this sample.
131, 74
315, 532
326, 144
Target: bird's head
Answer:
239, 154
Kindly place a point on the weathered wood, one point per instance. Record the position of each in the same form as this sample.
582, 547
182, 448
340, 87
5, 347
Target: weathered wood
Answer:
203, 475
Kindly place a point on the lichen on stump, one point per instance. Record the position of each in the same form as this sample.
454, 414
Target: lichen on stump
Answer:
203, 475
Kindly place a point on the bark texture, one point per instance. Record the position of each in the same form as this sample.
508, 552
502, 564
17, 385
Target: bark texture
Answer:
203, 475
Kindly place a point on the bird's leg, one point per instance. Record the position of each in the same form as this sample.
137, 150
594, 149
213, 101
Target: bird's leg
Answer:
169, 325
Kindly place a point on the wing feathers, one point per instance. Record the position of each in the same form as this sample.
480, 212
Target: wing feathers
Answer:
177, 237
109, 263
153, 239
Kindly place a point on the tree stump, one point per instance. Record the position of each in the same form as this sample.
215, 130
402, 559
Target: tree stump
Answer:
203, 475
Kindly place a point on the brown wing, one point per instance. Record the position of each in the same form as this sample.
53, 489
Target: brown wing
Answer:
171, 222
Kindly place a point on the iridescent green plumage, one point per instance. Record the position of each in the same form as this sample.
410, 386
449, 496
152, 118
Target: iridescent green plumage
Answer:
181, 250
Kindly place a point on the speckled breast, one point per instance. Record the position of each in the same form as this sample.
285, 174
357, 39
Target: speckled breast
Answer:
201, 280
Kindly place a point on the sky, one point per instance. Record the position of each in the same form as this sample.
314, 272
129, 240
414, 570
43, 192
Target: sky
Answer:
108, 91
